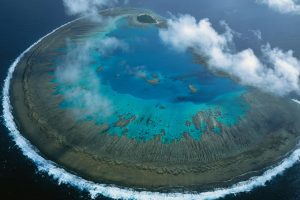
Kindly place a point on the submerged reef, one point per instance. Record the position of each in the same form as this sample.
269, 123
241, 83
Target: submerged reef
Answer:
111, 102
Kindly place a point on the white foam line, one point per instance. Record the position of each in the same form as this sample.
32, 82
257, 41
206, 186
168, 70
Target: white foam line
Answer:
96, 189
296, 101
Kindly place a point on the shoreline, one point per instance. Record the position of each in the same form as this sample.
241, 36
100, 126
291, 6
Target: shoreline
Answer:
17, 117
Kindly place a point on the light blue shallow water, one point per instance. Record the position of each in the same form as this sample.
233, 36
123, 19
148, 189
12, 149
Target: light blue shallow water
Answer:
153, 89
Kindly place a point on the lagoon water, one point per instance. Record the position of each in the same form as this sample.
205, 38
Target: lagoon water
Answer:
156, 88
18, 178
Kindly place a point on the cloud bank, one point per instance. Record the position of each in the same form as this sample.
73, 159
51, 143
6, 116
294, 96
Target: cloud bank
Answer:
78, 92
86, 95
277, 72
283, 6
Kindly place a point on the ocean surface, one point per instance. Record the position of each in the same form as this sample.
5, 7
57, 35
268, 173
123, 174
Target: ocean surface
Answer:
24, 22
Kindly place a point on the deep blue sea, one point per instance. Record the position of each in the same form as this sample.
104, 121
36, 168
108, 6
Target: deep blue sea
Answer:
24, 22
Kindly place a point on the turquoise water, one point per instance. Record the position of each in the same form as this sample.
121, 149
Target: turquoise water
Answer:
152, 90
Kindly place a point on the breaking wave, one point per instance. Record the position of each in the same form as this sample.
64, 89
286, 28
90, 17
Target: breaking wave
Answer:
96, 189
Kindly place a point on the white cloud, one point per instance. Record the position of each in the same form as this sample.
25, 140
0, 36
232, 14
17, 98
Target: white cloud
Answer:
85, 94
110, 44
257, 34
86, 7
278, 72
283, 6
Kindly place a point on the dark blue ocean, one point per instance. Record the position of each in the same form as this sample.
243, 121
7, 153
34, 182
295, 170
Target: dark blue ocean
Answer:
24, 22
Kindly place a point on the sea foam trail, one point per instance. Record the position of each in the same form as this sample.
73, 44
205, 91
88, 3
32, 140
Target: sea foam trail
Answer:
96, 189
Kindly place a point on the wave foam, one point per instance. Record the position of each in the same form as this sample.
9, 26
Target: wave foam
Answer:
96, 189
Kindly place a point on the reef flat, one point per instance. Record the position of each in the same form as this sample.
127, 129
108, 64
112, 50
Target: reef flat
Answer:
188, 138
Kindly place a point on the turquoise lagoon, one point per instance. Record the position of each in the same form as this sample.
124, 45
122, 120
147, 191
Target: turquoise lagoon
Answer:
153, 90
